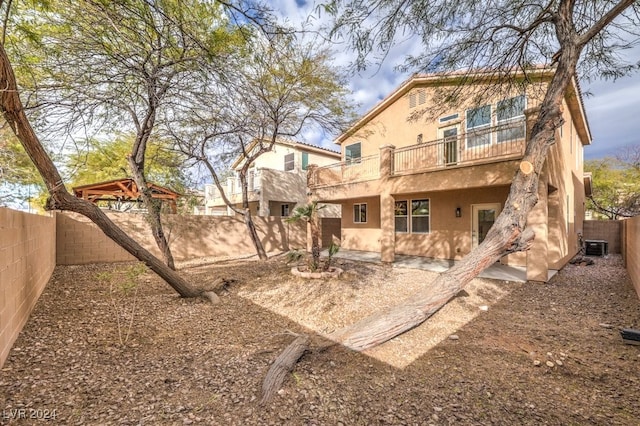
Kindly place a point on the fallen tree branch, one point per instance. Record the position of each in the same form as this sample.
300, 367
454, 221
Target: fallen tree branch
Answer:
284, 364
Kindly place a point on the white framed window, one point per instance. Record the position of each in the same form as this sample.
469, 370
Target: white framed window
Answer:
353, 153
478, 119
449, 117
420, 216
284, 210
402, 216
360, 213
416, 219
289, 162
510, 111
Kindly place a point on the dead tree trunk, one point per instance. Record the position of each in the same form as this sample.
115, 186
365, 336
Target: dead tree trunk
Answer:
285, 362
60, 198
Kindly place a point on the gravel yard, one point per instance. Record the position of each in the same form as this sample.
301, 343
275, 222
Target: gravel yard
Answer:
499, 353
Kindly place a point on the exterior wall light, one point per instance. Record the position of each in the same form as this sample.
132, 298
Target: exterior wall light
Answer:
458, 212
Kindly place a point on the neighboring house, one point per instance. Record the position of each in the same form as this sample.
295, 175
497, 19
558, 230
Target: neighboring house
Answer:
434, 187
276, 182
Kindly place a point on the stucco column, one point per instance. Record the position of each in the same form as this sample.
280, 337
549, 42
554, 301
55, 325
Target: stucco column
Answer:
537, 259
311, 175
387, 206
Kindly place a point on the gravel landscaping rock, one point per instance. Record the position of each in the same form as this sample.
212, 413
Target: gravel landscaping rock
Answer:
539, 355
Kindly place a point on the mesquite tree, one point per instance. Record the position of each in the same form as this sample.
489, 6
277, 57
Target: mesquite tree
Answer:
118, 65
503, 37
278, 90
23, 25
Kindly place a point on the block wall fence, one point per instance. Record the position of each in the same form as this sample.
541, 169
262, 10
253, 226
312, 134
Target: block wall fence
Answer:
631, 251
27, 260
32, 245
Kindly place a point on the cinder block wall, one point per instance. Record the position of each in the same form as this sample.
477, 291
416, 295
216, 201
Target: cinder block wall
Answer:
608, 230
632, 250
27, 260
80, 241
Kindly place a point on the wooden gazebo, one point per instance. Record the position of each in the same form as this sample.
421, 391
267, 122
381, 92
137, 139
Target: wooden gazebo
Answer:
124, 190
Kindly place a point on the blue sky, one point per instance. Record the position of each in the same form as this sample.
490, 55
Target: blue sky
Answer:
612, 107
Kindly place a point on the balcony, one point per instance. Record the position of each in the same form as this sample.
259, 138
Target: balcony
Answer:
491, 144
362, 169
233, 190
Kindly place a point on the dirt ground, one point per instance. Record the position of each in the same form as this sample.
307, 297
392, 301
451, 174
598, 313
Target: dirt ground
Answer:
501, 353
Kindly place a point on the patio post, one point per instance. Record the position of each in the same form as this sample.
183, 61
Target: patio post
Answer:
537, 259
387, 203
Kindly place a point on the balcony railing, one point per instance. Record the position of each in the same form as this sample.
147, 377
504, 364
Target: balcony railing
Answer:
358, 170
498, 143
485, 145
233, 189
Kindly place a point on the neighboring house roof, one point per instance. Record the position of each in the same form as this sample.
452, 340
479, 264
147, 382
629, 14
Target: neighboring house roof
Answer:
573, 96
302, 146
120, 189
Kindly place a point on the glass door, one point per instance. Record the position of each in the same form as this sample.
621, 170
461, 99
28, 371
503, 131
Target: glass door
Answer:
449, 148
483, 218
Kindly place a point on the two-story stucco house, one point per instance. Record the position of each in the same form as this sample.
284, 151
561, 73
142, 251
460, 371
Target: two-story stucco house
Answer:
433, 187
277, 181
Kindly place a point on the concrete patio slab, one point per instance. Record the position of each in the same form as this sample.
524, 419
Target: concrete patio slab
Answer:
496, 271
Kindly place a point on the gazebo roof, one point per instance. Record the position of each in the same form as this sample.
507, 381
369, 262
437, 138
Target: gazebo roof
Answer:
122, 190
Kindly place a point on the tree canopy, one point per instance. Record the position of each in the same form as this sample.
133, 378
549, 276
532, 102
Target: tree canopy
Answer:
615, 186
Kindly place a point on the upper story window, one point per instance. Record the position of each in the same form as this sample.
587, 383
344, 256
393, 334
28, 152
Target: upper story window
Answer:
507, 114
509, 111
353, 153
210, 192
477, 119
417, 97
305, 160
288, 162
449, 117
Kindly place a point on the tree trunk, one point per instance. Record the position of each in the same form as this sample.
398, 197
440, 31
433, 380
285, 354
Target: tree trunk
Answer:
507, 235
60, 198
253, 233
315, 240
153, 213
282, 365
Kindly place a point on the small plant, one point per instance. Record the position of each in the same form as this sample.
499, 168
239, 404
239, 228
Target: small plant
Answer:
123, 292
333, 249
294, 256
309, 214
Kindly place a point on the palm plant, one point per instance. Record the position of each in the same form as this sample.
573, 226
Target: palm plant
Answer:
309, 214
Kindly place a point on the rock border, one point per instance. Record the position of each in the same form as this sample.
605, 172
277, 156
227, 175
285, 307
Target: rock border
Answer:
331, 273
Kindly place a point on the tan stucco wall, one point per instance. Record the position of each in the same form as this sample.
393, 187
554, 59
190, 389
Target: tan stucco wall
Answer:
361, 236
632, 250
27, 260
80, 241
450, 237
566, 200
394, 126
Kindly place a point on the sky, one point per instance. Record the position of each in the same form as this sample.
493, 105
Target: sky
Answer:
612, 107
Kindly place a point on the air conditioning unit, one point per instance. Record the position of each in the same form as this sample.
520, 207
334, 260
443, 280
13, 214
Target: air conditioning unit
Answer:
596, 247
